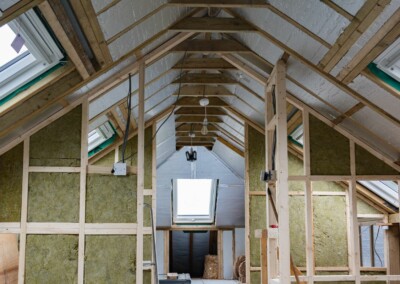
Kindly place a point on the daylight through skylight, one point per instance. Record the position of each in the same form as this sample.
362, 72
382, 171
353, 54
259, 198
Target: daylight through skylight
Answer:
194, 196
7, 52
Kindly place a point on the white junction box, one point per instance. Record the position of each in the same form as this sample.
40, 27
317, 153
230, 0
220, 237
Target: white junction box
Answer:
120, 169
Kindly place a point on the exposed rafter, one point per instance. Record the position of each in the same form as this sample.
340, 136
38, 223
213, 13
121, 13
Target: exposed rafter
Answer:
211, 46
204, 64
204, 90
201, 79
208, 24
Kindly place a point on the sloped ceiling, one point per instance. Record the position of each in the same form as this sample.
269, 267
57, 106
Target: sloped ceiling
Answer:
132, 29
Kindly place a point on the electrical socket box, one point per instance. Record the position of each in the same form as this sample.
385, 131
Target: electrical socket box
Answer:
120, 169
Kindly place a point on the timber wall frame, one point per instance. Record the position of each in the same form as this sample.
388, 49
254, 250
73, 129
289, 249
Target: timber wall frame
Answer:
82, 229
276, 270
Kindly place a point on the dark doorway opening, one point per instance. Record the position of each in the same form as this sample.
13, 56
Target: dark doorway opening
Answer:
188, 250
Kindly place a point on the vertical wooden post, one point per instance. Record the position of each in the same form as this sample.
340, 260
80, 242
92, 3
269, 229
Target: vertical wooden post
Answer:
264, 257
140, 176
354, 245
166, 251
308, 199
271, 246
82, 197
247, 203
282, 186
220, 255
24, 213
154, 188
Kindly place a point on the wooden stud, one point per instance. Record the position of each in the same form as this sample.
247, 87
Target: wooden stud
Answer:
140, 175
309, 222
220, 255
24, 212
203, 90
82, 198
247, 203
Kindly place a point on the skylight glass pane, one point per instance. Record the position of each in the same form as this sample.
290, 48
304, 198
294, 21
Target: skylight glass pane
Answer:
194, 197
7, 52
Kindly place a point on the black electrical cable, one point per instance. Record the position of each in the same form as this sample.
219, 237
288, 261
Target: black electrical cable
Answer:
274, 150
128, 119
177, 99
273, 99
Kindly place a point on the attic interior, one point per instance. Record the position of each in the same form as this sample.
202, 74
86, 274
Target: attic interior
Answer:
188, 141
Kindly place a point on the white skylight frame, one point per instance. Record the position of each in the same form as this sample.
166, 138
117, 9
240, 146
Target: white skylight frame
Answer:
206, 217
99, 135
389, 61
44, 53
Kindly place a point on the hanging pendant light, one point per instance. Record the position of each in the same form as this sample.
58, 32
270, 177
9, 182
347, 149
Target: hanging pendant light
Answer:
191, 155
204, 102
204, 129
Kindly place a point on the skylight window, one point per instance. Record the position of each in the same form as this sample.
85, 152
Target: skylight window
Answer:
194, 200
100, 135
27, 50
8, 53
389, 61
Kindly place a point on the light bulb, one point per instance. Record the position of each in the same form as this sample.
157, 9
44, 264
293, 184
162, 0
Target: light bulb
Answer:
204, 129
204, 102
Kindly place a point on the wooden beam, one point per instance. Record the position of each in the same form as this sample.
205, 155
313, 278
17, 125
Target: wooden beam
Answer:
17, 9
207, 24
323, 74
198, 119
204, 79
203, 64
124, 110
387, 87
140, 175
197, 139
230, 146
245, 68
198, 134
211, 111
219, 3
135, 24
90, 33
203, 90
195, 128
349, 113
92, 17
363, 19
50, 80
381, 40
338, 9
194, 102
53, 13
211, 46
199, 144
